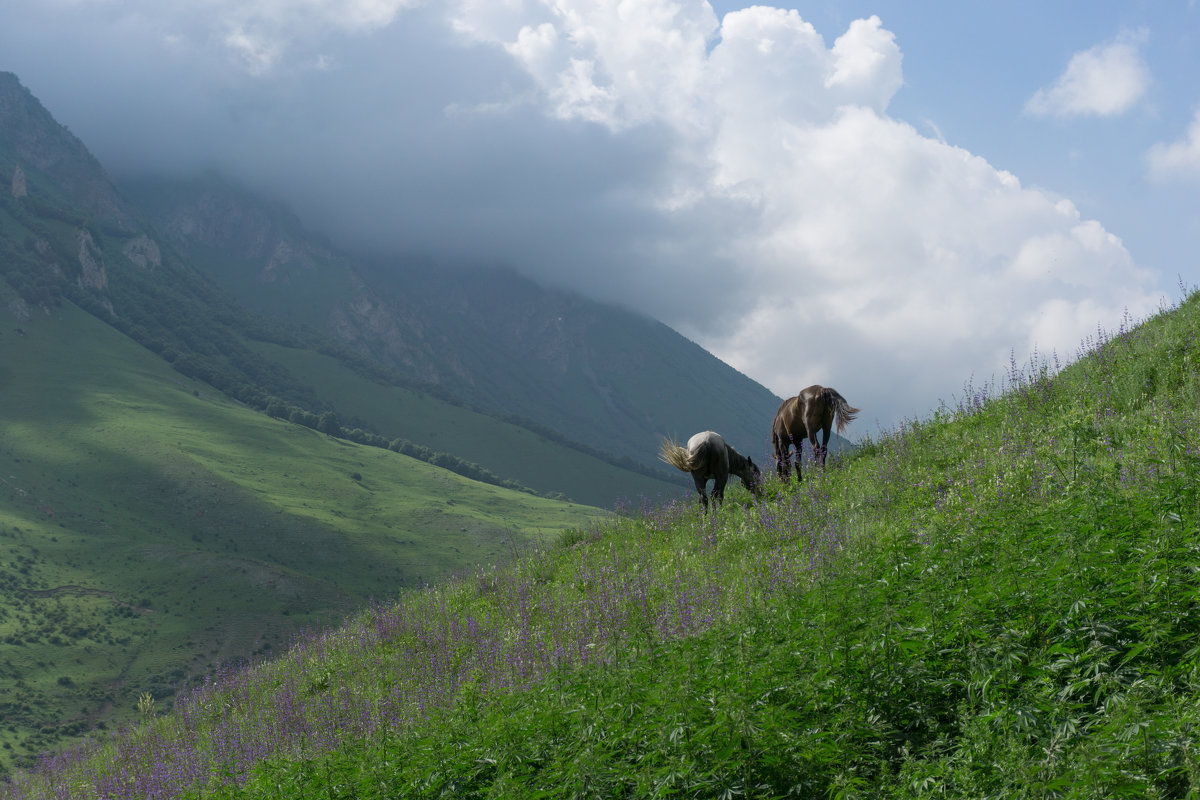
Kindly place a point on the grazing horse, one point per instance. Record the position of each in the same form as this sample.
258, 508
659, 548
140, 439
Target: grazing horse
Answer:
800, 417
708, 456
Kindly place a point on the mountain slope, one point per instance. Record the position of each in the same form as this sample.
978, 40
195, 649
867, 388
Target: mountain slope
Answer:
1001, 601
598, 375
151, 528
98, 252
532, 455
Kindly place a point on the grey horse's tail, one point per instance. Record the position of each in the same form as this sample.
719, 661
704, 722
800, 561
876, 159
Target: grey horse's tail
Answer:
676, 455
844, 414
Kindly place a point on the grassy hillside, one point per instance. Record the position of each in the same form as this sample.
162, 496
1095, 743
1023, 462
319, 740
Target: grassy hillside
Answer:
526, 456
66, 232
150, 528
1001, 601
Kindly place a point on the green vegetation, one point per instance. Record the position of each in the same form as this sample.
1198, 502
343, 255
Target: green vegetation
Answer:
521, 452
290, 372
1001, 601
152, 529
596, 378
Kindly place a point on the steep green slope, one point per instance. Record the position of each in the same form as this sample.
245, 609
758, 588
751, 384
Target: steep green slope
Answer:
150, 527
530, 457
1001, 601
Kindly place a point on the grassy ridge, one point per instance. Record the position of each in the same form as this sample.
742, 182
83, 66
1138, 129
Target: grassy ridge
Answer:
151, 528
998, 602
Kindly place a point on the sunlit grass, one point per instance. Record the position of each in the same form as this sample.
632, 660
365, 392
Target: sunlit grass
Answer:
1000, 601
151, 529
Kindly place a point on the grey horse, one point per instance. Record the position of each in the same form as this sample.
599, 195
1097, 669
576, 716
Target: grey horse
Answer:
708, 456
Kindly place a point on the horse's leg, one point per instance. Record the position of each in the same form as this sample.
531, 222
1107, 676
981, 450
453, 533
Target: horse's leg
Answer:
818, 451
799, 458
824, 442
718, 491
701, 483
782, 448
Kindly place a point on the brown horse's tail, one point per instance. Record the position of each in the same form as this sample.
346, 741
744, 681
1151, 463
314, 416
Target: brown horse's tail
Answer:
675, 454
844, 414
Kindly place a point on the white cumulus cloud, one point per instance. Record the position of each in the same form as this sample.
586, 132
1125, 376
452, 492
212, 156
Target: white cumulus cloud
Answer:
807, 236
1102, 81
617, 64
1178, 160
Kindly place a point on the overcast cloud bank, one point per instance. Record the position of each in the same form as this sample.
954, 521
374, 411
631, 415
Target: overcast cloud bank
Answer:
864, 252
739, 178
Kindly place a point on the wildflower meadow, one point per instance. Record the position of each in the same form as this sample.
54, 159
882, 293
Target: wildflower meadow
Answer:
1001, 600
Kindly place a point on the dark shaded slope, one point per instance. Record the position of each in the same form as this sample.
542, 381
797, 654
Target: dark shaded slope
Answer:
599, 375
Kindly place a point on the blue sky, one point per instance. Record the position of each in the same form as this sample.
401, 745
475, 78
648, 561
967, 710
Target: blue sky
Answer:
970, 69
891, 198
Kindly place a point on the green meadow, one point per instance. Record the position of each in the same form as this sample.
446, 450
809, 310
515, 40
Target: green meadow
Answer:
1000, 601
152, 529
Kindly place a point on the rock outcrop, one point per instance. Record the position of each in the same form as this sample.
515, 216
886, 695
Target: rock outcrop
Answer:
19, 189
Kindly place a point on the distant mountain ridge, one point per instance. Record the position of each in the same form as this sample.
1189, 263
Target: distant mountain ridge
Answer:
611, 379
104, 257
168, 262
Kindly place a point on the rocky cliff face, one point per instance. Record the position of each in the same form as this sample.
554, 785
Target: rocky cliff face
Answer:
60, 201
39, 143
19, 189
144, 252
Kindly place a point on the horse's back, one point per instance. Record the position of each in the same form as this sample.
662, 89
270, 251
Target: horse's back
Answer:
798, 414
817, 404
707, 450
705, 441
813, 400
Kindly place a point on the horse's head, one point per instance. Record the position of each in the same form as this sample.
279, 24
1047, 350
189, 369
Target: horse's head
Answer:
752, 477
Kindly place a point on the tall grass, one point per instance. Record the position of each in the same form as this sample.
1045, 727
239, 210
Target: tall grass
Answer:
999, 601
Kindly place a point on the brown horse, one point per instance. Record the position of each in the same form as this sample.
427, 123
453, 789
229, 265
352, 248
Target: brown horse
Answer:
708, 456
800, 417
